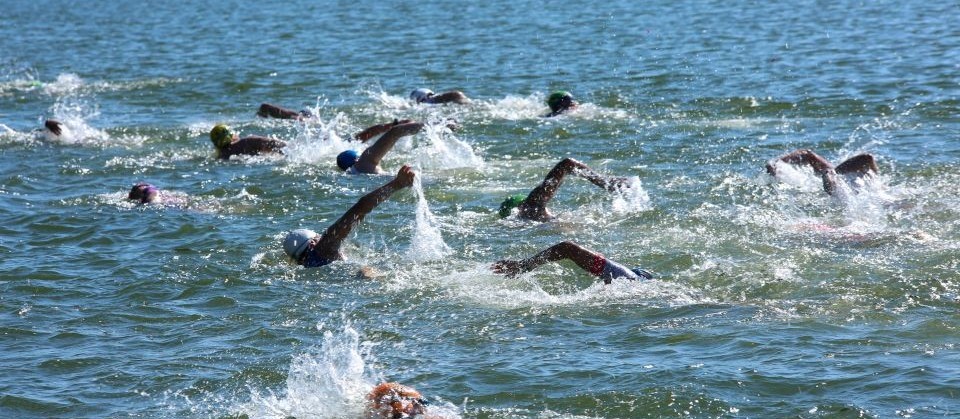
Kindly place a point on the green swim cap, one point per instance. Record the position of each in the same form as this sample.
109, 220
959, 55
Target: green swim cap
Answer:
556, 98
510, 203
221, 136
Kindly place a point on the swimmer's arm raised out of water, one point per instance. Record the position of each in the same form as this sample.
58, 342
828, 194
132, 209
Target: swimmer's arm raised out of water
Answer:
819, 165
544, 192
580, 255
369, 161
378, 129
331, 240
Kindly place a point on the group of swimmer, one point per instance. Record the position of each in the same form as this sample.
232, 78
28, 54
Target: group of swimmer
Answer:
311, 249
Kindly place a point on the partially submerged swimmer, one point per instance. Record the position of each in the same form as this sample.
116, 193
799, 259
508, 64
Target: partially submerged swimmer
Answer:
559, 102
394, 400
144, 192
427, 96
312, 250
229, 144
534, 205
588, 260
269, 110
369, 161
859, 166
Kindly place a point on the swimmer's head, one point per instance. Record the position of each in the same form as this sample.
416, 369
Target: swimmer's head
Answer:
560, 101
509, 204
643, 273
297, 241
347, 159
144, 192
421, 95
221, 136
393, 400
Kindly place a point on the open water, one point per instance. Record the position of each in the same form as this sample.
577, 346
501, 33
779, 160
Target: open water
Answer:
772, 299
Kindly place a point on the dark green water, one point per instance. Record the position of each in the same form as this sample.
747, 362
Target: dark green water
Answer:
772, 298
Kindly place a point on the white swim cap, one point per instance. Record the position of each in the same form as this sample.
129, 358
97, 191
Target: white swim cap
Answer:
296, 242
421, 95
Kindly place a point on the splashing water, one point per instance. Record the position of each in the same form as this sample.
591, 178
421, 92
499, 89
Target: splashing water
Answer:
631, 197
444, 150
328, 384
73, 114
319, 142
427, 243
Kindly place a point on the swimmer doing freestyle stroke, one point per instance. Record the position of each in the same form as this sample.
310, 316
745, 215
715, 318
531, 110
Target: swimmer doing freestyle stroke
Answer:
311, 250
859, 166
534, 205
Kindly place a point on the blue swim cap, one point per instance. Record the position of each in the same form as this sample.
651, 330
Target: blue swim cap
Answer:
643, 273
296, 242
347, 159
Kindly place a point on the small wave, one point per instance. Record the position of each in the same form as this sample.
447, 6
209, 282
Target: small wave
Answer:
72, 84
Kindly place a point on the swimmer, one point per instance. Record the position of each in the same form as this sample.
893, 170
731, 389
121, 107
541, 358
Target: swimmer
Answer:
268, 110
858, 166
145, 193
394, 400
369, 161
427, 96
586, 259
560, 102
534, 206
312, 250
229, 144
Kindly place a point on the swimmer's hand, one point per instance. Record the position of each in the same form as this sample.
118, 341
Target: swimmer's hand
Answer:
404, 177
53, 126
510, 268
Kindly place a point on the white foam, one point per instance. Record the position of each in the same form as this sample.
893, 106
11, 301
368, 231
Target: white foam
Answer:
631, 198
441, 149
427, 243
331, 382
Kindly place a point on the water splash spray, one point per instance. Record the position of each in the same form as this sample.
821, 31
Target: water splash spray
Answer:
427, 243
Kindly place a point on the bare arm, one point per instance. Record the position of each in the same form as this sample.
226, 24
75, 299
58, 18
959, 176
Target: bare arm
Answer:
256, 144
819, 165
268, 110
376, 130
369, 161
454, 96
544, 192
333, 237
800, 157
580, 255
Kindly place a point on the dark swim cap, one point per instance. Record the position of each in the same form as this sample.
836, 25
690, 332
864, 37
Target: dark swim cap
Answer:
144, 192
555, 100
510, 203
347, 159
